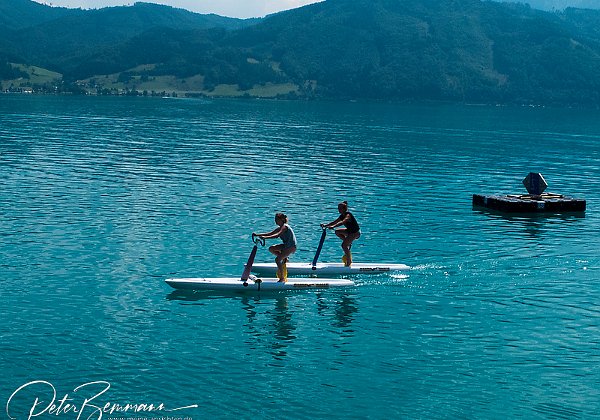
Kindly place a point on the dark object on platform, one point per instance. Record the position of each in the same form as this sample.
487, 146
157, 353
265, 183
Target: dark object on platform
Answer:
535, 183
547, 202
537, 201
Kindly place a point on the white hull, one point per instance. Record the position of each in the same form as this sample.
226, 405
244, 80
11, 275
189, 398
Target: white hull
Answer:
234, 283
331, 269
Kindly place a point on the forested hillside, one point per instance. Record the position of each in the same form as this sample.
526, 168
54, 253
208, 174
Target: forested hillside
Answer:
560, 4
451, 50
18, 14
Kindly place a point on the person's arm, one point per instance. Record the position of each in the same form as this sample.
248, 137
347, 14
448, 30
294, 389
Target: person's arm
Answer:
273, 234
336, 222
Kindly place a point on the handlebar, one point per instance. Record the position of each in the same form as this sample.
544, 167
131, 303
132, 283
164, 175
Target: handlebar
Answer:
258, 240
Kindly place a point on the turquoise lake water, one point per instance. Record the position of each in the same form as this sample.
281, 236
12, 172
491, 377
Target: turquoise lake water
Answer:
104, 198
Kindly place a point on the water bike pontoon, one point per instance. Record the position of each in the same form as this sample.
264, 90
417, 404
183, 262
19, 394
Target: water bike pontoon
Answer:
249, 282
324, 269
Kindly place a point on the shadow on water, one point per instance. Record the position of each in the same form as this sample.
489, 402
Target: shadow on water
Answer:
569, 216
199, 295
533, 224
269, 315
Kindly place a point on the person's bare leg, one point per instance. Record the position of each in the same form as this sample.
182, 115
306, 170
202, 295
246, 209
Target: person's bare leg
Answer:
347, 245
341, 233
276, 250
280, 260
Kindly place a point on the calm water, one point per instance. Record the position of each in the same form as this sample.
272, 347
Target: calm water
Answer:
103, 198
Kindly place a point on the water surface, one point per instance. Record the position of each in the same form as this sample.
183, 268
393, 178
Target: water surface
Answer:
104, 198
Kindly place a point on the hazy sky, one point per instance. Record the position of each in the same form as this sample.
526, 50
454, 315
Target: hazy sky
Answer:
231, 8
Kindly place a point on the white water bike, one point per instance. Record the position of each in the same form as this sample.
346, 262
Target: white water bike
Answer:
327, 269
249, 282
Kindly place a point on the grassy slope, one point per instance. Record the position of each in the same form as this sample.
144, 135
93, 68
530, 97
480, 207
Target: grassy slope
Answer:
37, 76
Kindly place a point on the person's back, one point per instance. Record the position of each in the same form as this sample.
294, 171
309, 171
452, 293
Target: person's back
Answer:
351, 224
288, 237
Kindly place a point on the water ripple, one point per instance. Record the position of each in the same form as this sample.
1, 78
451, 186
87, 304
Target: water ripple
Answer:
103, 198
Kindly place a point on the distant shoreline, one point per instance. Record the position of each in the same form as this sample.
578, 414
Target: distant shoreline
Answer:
417, 102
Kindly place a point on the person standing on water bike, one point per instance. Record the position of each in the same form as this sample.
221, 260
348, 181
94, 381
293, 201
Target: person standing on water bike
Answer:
348, 234
284, 250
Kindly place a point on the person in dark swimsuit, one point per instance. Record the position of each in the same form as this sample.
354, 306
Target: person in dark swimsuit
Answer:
284, 250
348, 234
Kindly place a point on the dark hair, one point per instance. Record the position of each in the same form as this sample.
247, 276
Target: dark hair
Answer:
281, 216
344, 203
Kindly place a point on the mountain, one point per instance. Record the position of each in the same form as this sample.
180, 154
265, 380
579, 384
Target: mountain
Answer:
449, 50
458, 50
560, 4
18, 14
80, 34
48, 36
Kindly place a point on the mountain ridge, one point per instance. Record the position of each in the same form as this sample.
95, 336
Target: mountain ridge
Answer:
449, 50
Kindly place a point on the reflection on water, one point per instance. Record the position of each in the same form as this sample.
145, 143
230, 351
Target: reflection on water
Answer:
197, 295
268, 316
344, 309
530, 216
533, 225
281, 326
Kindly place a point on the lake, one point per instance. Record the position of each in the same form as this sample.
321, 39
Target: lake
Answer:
104, 198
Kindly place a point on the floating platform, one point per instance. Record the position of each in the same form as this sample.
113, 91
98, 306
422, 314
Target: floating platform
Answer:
530, 203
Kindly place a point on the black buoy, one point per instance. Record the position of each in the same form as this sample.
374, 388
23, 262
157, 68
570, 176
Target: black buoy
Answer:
536, 201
